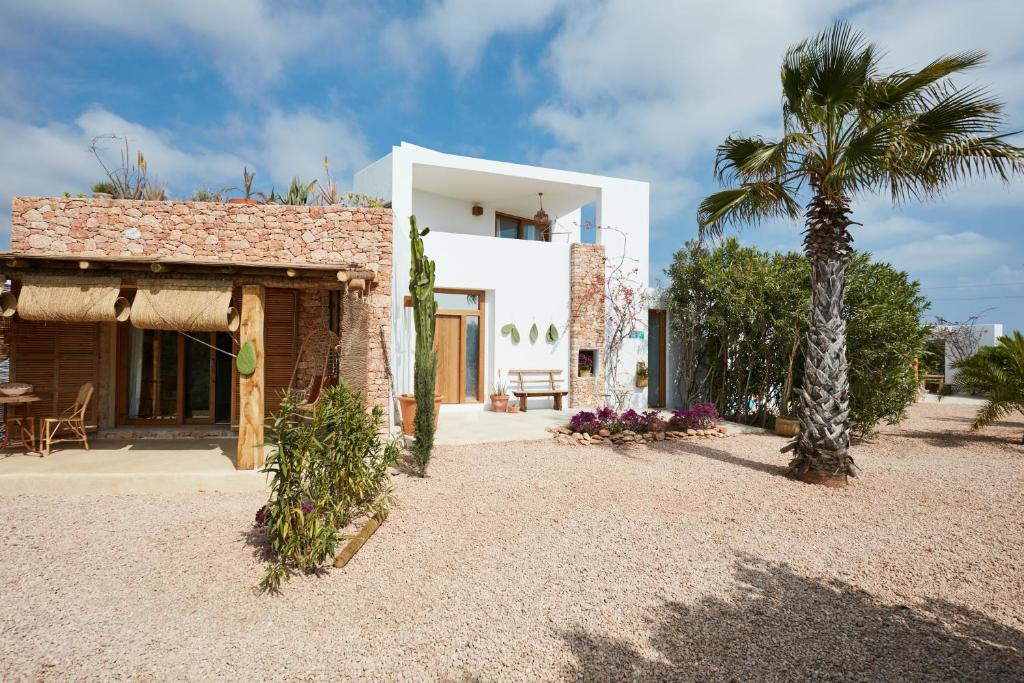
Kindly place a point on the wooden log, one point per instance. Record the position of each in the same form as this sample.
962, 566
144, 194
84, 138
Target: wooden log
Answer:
251, 389
357, 541
346, 275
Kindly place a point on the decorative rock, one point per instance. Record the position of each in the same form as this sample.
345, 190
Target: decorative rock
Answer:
604, 432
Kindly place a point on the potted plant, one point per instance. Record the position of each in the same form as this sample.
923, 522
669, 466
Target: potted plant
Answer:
499, 399
586, 362
249, 198
641, 374
513, 407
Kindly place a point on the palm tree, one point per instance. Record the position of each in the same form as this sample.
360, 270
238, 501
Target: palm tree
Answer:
849, 129
998, 371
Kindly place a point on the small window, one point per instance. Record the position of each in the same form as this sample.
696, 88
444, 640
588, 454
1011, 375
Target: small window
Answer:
511, 227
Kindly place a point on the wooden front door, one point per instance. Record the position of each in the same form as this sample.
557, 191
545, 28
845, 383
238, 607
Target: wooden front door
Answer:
459, 343
657, 321
448, 341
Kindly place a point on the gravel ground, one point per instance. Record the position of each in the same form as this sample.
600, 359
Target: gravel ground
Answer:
530, 561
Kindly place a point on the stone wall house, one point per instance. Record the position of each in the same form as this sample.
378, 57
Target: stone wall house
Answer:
309, 263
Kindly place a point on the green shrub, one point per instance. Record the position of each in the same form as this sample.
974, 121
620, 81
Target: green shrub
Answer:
327, 468
740, 316
105, 188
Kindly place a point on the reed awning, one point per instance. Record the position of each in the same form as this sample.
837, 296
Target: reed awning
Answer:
68, 299
184, 306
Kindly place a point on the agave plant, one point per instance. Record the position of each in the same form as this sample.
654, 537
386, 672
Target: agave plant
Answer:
997, 371
850, 129
298, 194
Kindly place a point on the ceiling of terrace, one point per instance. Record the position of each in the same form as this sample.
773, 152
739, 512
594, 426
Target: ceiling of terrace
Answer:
507, 193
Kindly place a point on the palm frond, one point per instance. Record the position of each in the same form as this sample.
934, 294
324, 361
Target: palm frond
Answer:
743, 159
749, 203
898, 88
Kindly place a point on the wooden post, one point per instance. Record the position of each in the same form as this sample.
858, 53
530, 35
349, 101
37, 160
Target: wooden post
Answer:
251, 388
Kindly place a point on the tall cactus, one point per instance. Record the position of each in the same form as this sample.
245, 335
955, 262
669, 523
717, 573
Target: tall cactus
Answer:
424, 314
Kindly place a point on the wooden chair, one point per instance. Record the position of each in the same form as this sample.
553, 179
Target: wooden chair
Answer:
318, 355
72, 419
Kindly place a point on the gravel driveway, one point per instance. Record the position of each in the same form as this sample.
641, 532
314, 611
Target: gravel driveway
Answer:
532, 561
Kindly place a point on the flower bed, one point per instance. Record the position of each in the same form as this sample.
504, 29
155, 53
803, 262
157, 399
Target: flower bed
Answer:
607, 426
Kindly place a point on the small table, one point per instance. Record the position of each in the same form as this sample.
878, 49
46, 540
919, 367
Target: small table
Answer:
26, 424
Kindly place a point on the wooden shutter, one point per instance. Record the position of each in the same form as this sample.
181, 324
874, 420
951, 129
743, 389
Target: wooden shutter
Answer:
56, 359
280, 341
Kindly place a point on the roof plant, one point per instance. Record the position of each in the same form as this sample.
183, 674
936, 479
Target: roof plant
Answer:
850, 129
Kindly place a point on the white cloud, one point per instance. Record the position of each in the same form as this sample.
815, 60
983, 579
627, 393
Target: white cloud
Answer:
249, 42
946, 254
52, 158
461, 29
294, 144
666, 82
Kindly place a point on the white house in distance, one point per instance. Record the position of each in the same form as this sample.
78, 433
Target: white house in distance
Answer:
496, 266
971, 338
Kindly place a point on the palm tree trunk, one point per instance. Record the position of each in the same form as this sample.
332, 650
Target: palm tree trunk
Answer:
821, 450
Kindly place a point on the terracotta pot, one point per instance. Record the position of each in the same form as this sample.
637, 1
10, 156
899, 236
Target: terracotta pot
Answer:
499, 402
243, 200
514, 408
585, 372
408, 405
785, 426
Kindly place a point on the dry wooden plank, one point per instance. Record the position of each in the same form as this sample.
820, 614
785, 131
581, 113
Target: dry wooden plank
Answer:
357, 541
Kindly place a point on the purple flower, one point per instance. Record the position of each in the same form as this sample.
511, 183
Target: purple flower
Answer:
262, 517
699, 416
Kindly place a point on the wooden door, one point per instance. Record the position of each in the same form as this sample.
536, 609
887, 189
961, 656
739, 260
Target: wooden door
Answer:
657, 321
448, 340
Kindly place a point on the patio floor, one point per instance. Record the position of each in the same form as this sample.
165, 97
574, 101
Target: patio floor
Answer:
114, 466
457, 427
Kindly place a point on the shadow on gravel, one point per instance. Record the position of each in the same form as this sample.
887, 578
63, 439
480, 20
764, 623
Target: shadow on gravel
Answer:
957, 439
778, 625
721, 456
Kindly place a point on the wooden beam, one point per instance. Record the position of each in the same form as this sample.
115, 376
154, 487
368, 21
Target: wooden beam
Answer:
251, 389
346, 275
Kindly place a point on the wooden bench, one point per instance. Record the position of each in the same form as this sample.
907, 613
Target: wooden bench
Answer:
537, 383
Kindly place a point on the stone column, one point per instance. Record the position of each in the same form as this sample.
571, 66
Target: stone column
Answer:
586, 322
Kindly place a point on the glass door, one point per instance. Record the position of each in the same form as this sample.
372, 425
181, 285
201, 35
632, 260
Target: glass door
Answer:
165, 378
198, 378
152, 376
656, 320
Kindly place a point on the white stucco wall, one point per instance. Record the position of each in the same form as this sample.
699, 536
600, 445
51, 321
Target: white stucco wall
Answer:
624, 220
524, 282
983, 335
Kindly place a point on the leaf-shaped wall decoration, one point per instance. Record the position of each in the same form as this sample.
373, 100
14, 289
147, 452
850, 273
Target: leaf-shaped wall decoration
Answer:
511, 329
534, 333
246, 360
552, 334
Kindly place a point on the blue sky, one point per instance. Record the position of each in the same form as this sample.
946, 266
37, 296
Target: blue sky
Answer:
622, 87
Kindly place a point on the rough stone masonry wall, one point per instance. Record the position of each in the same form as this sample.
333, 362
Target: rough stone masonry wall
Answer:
334, 235
586, 322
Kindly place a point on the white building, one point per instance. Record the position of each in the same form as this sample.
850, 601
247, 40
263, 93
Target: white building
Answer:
495, 267
969, 340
